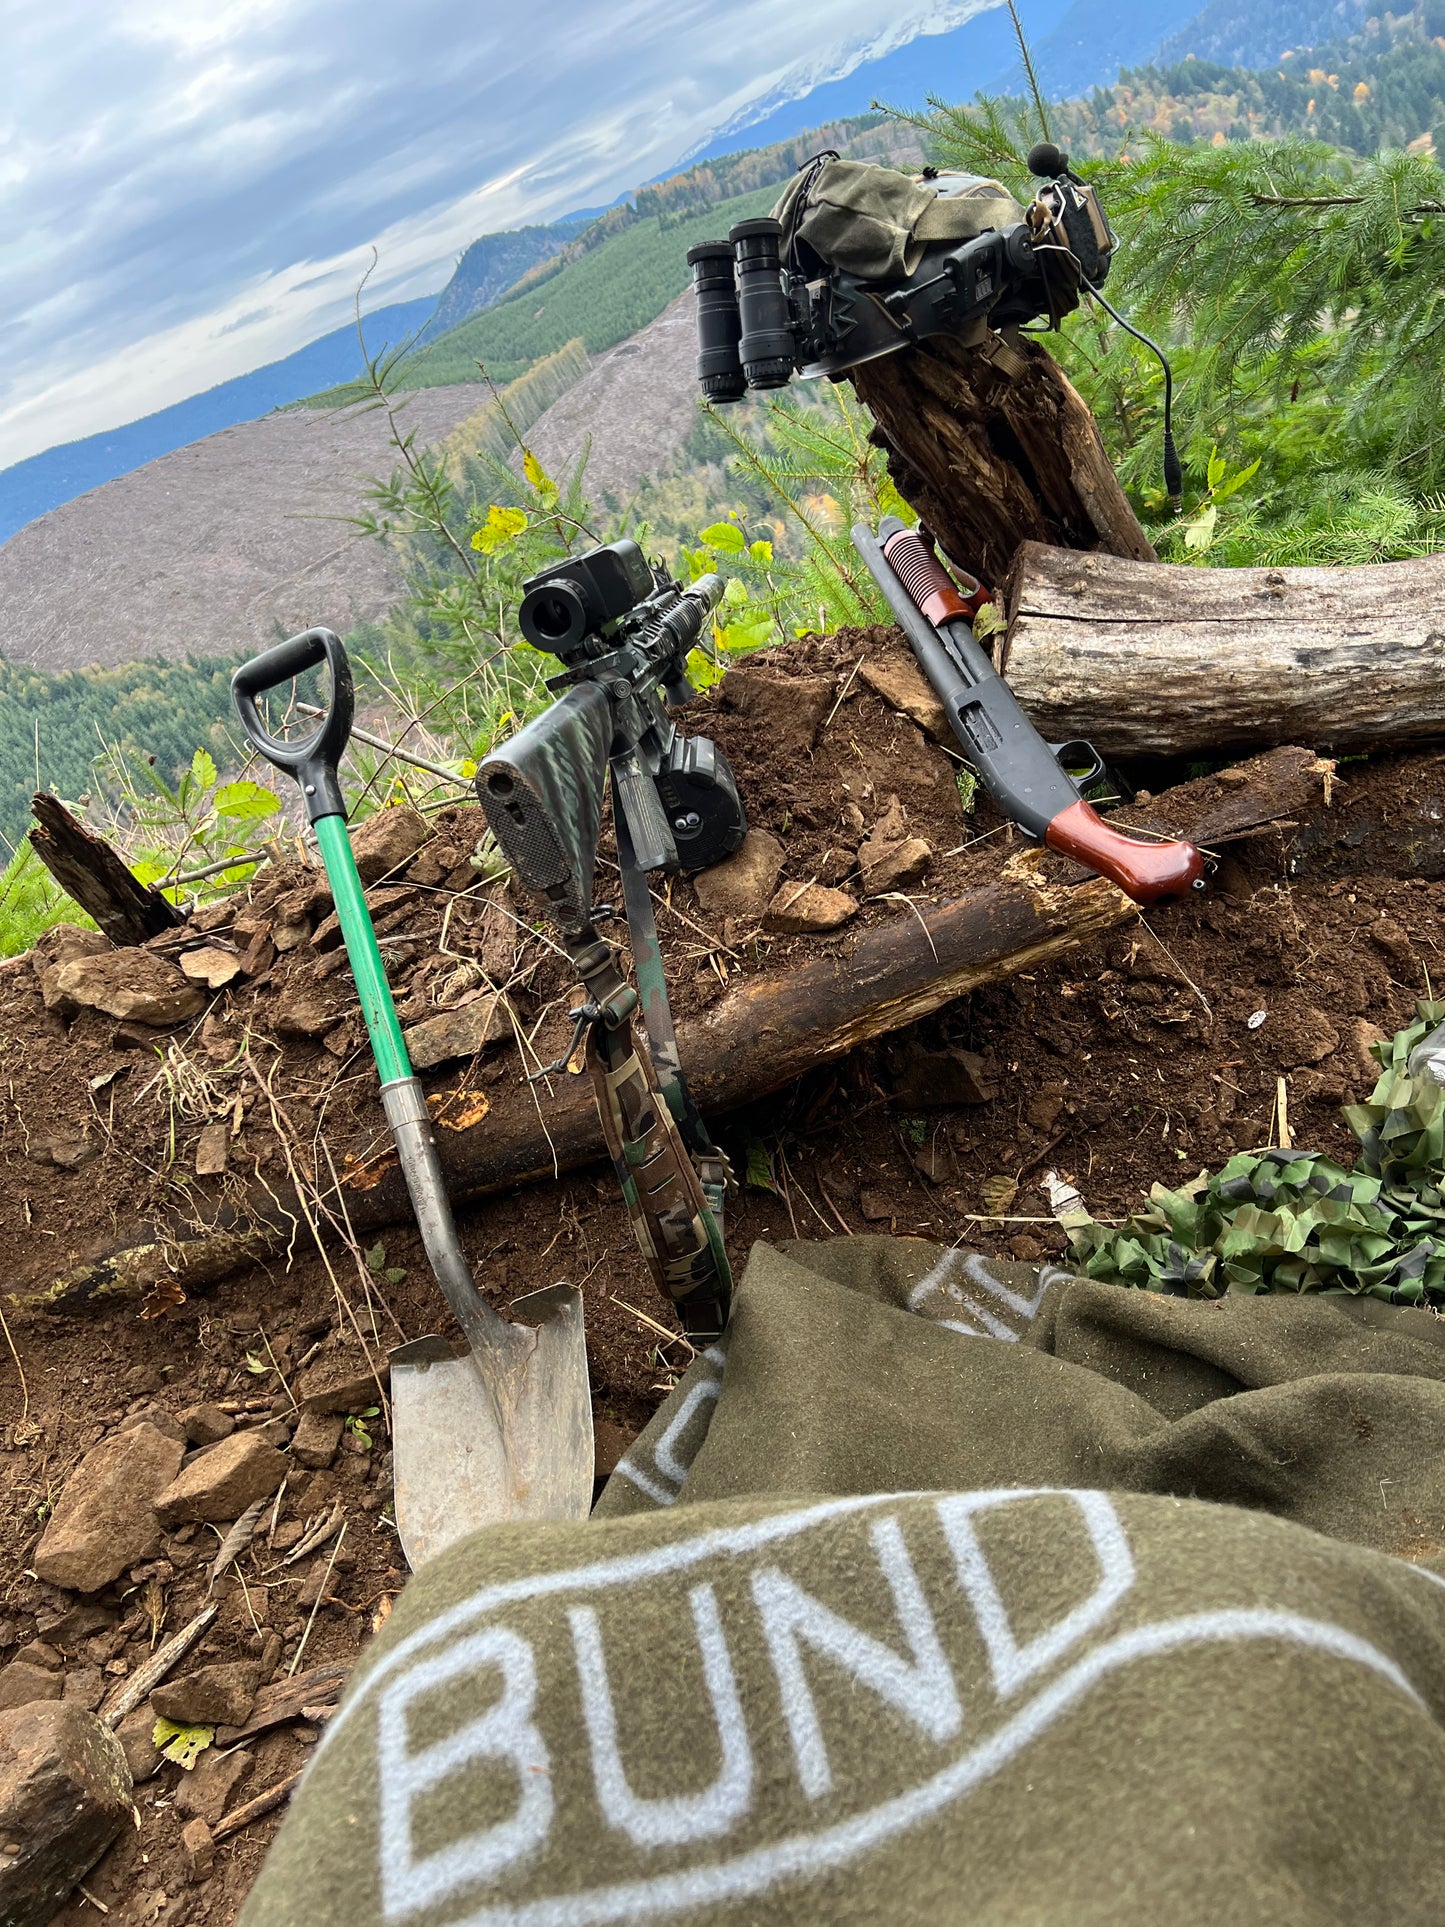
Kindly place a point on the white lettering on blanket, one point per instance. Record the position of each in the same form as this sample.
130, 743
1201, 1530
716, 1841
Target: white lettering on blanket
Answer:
950, 1670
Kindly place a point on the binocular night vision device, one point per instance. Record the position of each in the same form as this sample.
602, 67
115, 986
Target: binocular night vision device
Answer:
769, 306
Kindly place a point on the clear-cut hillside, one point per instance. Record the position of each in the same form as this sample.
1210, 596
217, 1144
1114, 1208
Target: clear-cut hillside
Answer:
216, 548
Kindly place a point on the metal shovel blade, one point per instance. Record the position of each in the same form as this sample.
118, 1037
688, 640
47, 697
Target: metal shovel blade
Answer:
480, 1440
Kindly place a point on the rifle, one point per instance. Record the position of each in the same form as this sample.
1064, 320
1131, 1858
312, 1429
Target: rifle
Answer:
1023, 774
622, 630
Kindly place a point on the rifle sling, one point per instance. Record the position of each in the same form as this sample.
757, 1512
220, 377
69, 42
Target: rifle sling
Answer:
661, 1036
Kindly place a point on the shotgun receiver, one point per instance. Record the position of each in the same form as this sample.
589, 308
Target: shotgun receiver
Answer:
1020, 771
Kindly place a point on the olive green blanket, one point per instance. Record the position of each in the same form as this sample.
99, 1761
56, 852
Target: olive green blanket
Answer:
941, 1590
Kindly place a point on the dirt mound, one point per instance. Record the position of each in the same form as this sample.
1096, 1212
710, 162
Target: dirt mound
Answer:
1141, 1056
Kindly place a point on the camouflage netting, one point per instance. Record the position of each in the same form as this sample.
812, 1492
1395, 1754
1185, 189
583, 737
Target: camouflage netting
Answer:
1284, 1220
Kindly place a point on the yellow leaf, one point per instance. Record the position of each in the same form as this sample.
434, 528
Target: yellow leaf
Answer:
183, 1744
501, 527
538, 477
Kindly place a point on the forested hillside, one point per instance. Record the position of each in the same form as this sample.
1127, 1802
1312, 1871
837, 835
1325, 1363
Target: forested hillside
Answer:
495, 263
1382, 87
60, 724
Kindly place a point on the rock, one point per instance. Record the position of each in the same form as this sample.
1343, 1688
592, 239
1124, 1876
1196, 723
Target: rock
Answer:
743, 885
23, 1685
305, 1010
923, 1079
211, 966
317, 1437
1043, 1112
218, 1695
205, 1792
874, 1205
58, 946
894, 866
65, 1793
462, 1032
142, 1755
1317, 1087
902, 687
62, 1149
104, 1522
134, 985
327, 934
156, 1415
837, 865
40, 1652
1359, 1036
812, 907
200, 1848
341, 1382
793, 708
891, 827
385, 843
73, 1625
221, 1482
213, 1149
1392, 938
1310, 1038
84, 1686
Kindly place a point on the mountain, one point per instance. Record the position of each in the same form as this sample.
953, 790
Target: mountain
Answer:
1241, 33
1381, 87
495, 263
1092, 41
57, 475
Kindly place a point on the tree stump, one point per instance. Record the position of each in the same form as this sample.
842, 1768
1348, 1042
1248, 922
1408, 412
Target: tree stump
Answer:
991, 461
91, 874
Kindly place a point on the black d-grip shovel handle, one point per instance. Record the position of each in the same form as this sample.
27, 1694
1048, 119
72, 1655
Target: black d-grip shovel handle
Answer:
313, 760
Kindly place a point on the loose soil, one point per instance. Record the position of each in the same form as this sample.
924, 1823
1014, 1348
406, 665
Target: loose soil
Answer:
1125, 1063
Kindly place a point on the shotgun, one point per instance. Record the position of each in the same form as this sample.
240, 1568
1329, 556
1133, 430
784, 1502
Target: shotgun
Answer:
1020, 771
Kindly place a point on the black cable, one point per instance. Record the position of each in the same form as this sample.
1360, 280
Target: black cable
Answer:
1173, 471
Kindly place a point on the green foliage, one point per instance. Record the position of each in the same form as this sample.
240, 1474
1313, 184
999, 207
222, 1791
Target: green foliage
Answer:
1282, 1220
195, 822
31, 902
61, 722
1298, 291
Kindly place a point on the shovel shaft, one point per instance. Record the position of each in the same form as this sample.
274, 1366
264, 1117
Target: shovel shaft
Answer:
377, 1008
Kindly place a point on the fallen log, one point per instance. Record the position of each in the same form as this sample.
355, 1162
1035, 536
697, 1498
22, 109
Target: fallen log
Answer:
991, 459
764, 1033
1149, 658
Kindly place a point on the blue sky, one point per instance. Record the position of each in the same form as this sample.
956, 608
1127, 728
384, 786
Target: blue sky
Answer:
191, 188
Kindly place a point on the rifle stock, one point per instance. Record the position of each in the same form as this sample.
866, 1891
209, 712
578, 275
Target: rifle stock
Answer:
542, 794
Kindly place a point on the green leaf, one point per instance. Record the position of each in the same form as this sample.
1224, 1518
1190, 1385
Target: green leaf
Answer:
1217, 467
726, 537
246, 802
182, 1744
1236, 482
394, 1274
203, 768
376, 1258
1199, 533
501, 527
990, 621
736, 592
256, 1365
761, 551
758, 1175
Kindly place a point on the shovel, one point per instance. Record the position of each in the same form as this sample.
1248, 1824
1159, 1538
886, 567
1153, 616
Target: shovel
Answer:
505, 1431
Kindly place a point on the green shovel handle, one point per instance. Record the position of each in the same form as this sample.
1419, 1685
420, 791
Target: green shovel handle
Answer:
377, 1008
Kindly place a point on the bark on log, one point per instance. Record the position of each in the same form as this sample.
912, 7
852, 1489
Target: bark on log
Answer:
1155, 659
763, 1034
991, 461
89, 871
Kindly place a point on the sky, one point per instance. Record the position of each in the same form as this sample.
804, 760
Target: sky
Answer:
192, 188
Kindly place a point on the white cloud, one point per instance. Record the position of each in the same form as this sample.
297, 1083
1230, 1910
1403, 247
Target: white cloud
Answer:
190, 188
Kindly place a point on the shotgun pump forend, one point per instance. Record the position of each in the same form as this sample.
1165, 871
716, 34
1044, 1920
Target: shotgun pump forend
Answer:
623, 631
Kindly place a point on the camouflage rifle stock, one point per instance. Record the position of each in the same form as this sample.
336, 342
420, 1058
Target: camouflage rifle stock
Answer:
675, 806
